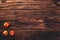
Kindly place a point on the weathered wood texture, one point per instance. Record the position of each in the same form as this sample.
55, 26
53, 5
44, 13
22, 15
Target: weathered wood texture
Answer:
31, 20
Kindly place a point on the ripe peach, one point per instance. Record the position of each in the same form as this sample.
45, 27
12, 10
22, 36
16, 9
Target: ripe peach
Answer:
5, 33
12, 32
6, 24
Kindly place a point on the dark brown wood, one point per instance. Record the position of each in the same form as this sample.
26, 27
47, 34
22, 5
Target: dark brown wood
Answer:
31, 20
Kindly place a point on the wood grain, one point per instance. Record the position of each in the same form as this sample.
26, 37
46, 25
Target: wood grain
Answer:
31, 20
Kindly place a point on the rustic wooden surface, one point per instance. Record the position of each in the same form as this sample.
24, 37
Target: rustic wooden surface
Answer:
31, 20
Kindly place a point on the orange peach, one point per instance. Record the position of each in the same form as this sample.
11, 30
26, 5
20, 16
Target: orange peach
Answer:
12, 32
5, 33
6, 24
